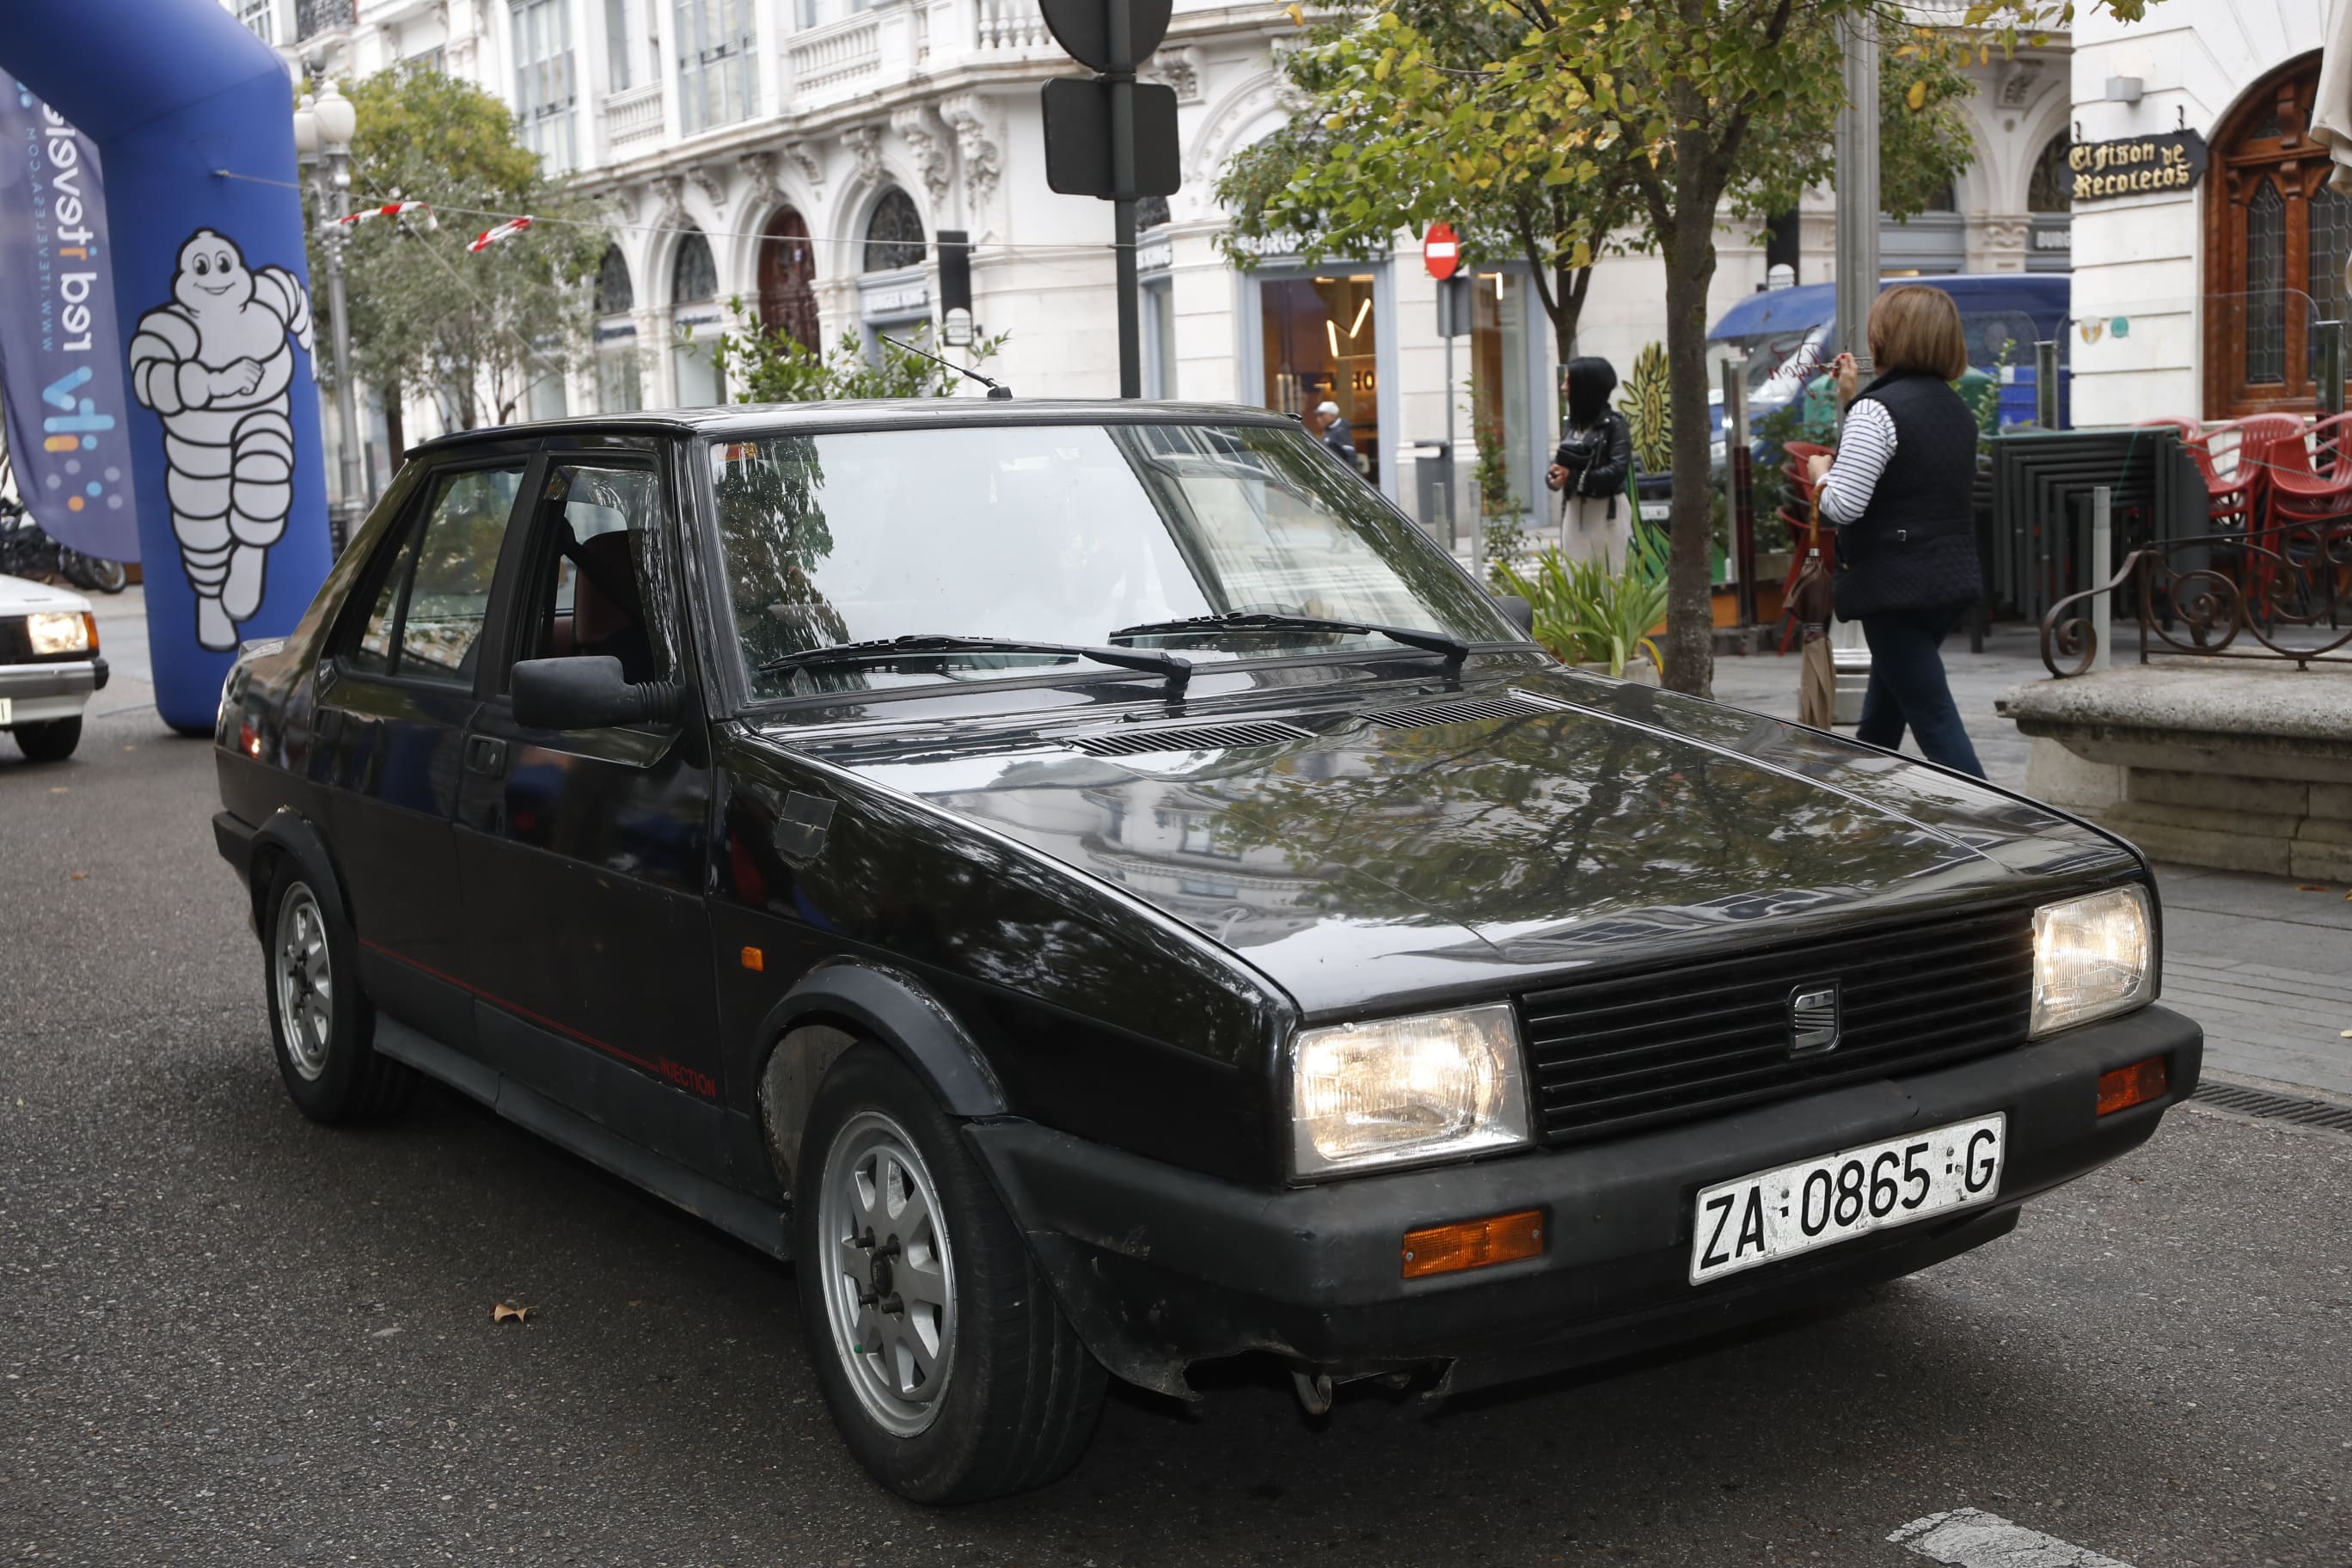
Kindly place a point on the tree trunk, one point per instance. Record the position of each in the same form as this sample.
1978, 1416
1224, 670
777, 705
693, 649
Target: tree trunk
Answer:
395, 431
1689, 253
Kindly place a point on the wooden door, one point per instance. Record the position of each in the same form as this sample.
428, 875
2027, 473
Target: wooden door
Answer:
2276, 243
788, 278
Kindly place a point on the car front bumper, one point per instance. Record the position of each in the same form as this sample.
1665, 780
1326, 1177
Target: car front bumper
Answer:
1158, 1267
36, 693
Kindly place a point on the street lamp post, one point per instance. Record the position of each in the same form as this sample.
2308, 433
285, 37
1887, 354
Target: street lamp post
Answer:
322, 140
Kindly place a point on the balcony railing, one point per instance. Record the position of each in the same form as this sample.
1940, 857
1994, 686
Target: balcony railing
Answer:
314, 16
832, 62
1011, 25
631, 117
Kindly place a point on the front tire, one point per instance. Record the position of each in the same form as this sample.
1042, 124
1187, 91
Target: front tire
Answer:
948, 1368
51, 741
321, 1026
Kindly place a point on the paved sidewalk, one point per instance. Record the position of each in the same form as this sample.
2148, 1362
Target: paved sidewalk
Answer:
2263, 963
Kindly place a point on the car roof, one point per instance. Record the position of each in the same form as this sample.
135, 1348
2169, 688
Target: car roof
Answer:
749, 420
1810, 304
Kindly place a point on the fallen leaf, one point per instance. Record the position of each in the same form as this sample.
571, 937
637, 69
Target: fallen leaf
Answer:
2313, 888
385, 1334
56, 789
76, 876
500, 1312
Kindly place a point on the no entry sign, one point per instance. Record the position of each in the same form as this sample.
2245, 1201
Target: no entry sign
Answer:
1441, 251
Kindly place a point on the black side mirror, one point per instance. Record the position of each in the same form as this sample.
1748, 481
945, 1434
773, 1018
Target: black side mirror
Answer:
1518, 612
584, 693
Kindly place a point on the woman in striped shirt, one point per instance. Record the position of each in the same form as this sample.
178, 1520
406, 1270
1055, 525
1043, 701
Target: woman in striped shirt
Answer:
1898, 491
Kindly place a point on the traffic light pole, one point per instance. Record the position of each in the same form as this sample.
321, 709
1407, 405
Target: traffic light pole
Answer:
1121, 36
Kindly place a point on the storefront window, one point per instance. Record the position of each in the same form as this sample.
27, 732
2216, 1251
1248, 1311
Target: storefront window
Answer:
1503, 423
1322, 345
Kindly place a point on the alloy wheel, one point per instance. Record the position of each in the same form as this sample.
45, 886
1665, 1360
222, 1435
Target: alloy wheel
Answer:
305, 981
888, 1273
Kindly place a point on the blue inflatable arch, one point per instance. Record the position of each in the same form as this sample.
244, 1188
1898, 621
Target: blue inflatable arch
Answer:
211, 299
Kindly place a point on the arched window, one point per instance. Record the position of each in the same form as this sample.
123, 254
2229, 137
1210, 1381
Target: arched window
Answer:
894, 234
695, 277
614, 295
1150, 212
1945, 199
788, 278
2276, 240
2047, 189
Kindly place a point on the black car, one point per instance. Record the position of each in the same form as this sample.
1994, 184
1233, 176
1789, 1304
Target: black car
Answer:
1098, 889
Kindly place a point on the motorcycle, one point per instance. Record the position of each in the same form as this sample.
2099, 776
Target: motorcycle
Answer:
27, 550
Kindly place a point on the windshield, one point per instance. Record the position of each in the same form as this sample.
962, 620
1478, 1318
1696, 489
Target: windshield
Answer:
1779, 361
1062, 534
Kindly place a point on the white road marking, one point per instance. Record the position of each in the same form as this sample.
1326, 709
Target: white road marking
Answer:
1971, 1538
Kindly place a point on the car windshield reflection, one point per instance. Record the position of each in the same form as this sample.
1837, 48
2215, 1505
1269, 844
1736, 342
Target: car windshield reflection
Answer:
1061, 535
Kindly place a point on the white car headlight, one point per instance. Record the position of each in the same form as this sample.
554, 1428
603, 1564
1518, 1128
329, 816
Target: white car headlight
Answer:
58, 631
2091, 956
1402, 1091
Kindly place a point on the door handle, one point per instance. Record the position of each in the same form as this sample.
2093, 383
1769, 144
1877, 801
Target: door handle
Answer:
486, 755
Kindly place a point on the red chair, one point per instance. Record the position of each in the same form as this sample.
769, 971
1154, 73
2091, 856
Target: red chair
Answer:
2229, 501
1801, 515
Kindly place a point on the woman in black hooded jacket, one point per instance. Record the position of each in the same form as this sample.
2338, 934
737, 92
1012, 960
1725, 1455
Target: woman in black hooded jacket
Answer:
1595, 454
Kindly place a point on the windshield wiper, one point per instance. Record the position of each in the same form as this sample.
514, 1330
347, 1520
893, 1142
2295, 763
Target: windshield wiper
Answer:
1176, 671
1454, 649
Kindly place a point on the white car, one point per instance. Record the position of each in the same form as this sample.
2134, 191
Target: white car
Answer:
48, 666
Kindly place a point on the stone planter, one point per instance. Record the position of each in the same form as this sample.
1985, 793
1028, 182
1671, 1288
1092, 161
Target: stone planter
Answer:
2229, 763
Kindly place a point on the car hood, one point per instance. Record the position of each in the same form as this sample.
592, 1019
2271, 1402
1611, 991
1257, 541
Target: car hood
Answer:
23, 597
1434, 846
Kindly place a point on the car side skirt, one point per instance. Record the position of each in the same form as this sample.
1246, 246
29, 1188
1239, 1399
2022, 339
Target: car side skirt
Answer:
763, 1226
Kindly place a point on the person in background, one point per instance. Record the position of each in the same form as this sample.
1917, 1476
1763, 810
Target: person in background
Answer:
1898, 491
1596, 453
1335, 432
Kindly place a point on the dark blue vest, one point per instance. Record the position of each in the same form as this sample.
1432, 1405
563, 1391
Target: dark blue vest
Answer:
1914, 548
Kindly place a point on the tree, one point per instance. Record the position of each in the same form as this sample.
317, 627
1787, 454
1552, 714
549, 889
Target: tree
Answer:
1673, 106
474, 328
776, 367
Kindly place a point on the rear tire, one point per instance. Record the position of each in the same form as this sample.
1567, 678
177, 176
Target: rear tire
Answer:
948, 1366
93, 572
321, 1026
51, 741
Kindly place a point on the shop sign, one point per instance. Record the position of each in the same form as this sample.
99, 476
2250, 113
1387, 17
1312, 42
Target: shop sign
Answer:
2135, 165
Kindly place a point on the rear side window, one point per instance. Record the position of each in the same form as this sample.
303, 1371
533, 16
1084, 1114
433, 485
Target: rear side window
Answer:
429, 607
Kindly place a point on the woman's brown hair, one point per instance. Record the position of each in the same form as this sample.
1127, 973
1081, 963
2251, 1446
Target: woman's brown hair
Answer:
1918, 328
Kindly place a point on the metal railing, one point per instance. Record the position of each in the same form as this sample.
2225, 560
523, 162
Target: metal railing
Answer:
2278, 598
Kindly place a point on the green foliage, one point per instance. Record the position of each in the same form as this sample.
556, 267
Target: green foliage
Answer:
1586, 614
1648, 406
1499, 508
775, 367
1686, 105
476, 328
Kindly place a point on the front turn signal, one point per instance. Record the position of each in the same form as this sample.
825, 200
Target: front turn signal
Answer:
1473, 1244
2135, 1085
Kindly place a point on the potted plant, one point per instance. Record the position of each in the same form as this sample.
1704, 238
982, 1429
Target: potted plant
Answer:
1597, 619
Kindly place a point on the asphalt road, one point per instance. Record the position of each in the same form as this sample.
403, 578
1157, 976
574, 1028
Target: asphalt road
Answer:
227, 1336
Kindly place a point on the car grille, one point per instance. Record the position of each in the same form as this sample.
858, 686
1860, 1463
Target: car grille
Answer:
1631, 1051
15, 642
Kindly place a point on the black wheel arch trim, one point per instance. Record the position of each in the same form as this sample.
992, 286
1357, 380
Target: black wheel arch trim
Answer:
288, 832
876, 1002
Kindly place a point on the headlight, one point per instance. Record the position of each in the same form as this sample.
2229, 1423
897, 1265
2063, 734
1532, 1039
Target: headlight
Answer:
2091, 956
61, 631
1402, 1091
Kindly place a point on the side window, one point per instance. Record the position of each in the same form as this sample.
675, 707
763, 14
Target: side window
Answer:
597, 592
429, 609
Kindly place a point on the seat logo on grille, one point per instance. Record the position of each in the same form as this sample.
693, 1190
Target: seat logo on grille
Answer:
1813, 1018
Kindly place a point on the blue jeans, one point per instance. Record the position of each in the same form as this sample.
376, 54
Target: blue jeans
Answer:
1907, 686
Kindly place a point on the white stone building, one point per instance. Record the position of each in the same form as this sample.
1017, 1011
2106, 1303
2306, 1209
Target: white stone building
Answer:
2216, 285
800, 155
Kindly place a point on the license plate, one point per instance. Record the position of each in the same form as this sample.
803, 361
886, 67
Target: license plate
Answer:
1657, 510
1835, 1197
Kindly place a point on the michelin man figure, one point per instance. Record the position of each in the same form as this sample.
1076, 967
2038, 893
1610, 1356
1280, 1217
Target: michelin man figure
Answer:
215, 365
